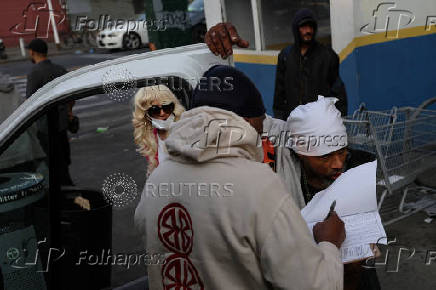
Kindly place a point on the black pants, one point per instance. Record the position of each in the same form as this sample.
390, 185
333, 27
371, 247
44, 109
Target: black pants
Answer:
62, 154
369, 280
356, 277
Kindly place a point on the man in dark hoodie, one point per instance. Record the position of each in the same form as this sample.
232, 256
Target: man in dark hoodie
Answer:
304, 70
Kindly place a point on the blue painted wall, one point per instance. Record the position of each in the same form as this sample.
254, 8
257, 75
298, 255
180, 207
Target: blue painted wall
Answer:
263, 76
395, 73
347, 71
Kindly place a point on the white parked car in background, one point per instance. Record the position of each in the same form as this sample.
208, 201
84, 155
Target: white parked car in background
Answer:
131, 35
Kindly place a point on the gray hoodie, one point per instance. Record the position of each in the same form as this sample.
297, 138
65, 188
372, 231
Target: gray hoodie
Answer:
223, 219
288, 166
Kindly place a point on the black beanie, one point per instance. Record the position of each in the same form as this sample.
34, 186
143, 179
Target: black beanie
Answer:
38, 45
227, 88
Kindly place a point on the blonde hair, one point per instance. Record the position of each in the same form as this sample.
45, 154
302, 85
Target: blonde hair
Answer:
143, 129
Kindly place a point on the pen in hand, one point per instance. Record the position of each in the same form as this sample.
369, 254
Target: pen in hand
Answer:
332, 208
332, 229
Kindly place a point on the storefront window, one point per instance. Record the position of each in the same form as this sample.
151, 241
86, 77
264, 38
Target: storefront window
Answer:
276, 21
240, 14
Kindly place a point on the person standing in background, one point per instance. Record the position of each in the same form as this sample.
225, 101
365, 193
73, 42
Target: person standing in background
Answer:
43, 72
304, 70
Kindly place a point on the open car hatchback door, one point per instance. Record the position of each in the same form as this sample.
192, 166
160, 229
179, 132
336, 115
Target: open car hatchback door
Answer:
79, 233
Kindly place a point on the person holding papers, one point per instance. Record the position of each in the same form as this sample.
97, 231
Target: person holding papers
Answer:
318, 144
311, 153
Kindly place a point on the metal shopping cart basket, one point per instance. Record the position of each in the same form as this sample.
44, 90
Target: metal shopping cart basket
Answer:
404, 141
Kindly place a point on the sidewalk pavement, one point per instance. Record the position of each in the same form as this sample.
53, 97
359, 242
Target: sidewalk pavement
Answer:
14, 53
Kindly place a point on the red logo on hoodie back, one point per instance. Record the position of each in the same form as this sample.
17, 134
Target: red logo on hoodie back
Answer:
176, 233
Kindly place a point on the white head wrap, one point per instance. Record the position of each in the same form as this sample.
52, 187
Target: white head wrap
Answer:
316, 128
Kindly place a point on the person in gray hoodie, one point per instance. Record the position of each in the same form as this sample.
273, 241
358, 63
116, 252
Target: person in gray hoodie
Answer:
222, 218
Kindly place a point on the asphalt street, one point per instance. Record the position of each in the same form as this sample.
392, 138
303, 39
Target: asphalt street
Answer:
21, 68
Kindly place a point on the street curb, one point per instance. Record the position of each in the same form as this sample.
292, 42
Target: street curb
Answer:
52, 53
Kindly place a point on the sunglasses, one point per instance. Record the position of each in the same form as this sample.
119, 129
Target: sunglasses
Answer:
154, 111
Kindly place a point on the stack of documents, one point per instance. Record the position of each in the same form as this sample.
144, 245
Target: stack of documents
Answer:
356, 204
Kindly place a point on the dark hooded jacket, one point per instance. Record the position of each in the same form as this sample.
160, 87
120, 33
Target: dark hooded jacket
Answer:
300, 79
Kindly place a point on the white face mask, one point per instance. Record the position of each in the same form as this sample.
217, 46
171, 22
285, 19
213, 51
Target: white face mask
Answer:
162, 124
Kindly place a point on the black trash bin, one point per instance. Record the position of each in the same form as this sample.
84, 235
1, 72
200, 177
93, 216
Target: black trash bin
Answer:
18, 235
86, 237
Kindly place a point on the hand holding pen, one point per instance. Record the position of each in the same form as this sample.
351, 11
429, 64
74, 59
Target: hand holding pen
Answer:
332, 209
332, 229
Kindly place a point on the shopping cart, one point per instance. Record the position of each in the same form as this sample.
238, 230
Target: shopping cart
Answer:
404, 141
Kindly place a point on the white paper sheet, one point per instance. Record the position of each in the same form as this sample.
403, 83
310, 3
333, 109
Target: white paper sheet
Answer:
356, 252
356, 204
361, 229
354, 192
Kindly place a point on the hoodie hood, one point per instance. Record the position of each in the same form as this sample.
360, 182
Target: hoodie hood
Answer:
302, 16
206, 133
